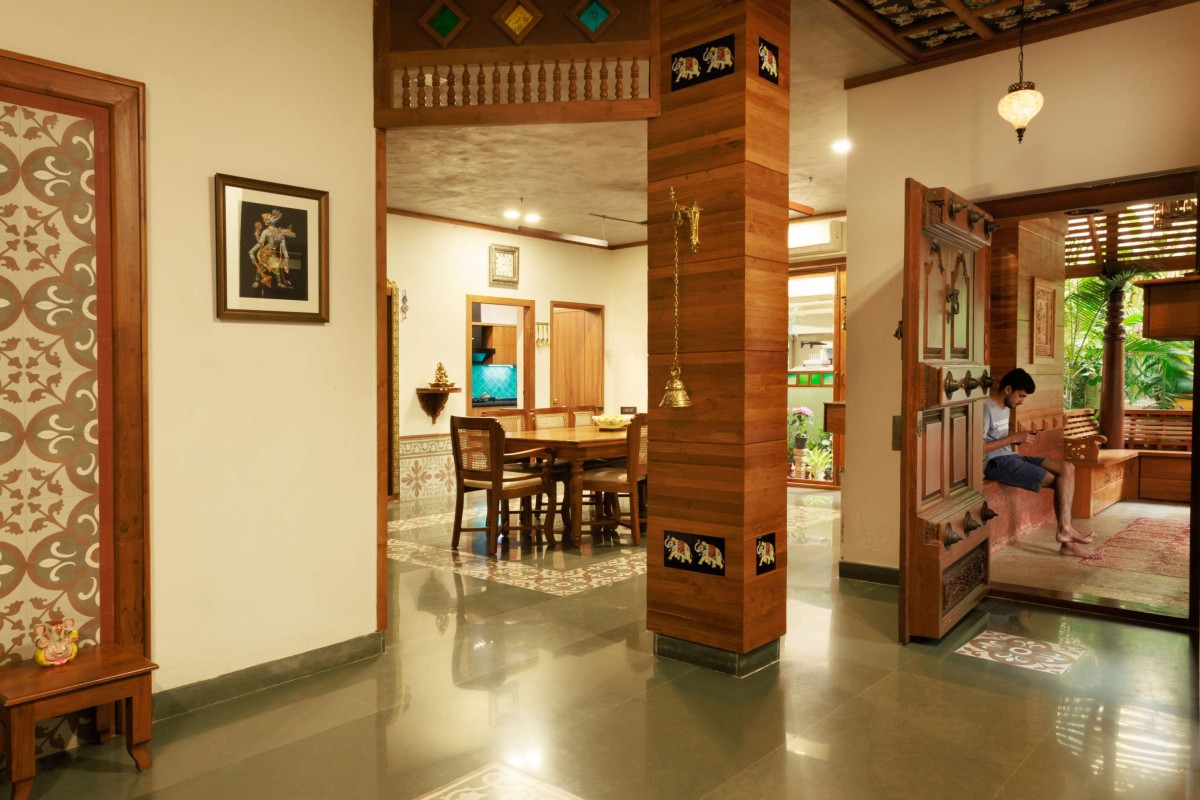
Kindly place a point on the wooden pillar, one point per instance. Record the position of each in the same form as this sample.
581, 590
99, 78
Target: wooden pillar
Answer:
717, 470
1112, 385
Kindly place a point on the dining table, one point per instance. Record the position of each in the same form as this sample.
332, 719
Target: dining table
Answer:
575, 445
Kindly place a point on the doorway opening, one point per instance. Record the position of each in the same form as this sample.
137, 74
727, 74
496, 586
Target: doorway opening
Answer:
1109, 386
576, 355
816, 377
500, 366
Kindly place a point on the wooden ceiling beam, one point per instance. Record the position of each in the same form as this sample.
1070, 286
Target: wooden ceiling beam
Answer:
964, 14
880, 29
1171, 264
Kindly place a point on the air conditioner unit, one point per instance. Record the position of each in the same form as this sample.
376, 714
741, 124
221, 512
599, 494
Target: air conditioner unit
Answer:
835, 244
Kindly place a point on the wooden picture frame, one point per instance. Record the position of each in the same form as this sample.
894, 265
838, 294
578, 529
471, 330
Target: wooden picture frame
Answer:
272, 251
504, 265
1043, 319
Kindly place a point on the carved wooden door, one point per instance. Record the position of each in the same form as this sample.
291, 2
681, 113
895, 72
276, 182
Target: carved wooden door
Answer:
944, 567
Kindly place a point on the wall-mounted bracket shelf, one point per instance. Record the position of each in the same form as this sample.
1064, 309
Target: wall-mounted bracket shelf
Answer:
433, 399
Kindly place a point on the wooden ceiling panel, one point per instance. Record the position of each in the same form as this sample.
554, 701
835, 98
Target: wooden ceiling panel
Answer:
930, 33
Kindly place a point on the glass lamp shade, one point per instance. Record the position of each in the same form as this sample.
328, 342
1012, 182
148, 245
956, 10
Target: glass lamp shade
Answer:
1020, 105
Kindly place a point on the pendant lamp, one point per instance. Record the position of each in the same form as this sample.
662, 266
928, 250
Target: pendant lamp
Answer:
1023, 101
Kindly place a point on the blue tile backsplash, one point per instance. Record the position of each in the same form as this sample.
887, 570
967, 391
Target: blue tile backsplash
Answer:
496, 380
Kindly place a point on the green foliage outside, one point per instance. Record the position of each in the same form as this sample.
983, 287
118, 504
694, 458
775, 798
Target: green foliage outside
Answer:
1157, 374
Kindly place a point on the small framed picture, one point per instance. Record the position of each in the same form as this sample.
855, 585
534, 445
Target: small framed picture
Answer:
272, 251
1045, 323
504, 265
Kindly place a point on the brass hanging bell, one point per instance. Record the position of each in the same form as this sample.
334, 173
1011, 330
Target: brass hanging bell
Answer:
676, 395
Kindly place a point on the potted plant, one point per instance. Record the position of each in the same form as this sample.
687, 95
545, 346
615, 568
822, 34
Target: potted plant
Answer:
818, 461
799, 420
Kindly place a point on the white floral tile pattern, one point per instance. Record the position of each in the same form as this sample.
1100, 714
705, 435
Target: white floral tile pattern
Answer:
1021, 651
425, 467
560, 583
429, 520
498, 781
810, 515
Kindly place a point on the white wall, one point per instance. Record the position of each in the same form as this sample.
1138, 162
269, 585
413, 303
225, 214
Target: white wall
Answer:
262, 436
439, 264
1121, 100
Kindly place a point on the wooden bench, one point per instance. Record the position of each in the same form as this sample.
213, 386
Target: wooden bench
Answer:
1102, 477
1163, 441
97, 678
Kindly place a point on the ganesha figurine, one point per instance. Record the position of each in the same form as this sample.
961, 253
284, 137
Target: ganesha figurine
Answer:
56, 642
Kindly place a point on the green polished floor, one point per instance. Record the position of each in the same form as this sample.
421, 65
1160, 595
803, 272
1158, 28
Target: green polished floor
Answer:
564, 689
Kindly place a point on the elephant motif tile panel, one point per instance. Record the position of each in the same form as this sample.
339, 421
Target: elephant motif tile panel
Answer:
50, 405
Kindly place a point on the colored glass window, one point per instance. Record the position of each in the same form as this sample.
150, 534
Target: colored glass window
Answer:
444, 21
594, 16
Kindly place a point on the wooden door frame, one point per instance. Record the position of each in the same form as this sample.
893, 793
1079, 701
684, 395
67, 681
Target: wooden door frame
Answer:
528, 372
1033, 205
582, 307
125, 102
827, 266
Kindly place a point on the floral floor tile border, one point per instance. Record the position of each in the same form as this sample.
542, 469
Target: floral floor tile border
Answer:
1023, 652
498, 781
560, 583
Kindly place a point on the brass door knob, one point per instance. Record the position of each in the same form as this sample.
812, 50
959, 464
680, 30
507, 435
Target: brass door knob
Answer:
970, 383
970, 523
987, 513
985, 380
951, 385
951, 536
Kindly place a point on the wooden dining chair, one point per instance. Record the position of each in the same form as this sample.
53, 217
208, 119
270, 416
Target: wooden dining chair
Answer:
552, 417
480, 464
584, 414
612, 482
513, 420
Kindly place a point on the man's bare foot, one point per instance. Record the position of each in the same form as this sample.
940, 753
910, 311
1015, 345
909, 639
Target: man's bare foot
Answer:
1072, 535
1074, 549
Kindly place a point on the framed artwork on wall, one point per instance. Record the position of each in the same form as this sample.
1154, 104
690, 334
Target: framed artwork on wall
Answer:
504, 265
1044, 329
272, 251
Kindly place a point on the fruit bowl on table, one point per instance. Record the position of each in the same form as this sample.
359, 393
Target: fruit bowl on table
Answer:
611, 422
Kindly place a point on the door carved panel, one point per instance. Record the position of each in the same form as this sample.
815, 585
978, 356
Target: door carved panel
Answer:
944, 547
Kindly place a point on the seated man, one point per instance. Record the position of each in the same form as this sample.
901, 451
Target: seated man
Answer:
1001, 464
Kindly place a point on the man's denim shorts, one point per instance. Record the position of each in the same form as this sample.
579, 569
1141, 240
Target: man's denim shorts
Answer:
1026, 472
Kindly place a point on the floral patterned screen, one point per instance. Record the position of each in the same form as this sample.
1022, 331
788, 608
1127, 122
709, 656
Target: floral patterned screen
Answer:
53, 544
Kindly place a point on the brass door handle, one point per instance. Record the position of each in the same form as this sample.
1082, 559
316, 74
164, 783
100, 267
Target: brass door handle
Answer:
952, 298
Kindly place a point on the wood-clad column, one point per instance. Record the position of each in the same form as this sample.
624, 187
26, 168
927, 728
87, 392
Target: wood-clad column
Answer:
1112, 384
717, 469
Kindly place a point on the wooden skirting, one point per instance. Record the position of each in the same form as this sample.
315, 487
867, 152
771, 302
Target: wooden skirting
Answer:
888, 576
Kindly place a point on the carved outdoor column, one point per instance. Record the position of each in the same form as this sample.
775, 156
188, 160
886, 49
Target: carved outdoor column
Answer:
1112, 384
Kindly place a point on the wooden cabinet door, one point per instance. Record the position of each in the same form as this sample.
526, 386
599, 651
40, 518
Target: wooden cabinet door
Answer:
944, 567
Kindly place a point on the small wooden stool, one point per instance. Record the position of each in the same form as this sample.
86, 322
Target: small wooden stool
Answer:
98, 677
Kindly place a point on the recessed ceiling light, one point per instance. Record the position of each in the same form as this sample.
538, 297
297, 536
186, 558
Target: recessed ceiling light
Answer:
533, 217
841, 146
512, 213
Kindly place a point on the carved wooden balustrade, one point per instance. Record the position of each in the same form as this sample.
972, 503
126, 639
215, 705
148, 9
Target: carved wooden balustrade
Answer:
520, 85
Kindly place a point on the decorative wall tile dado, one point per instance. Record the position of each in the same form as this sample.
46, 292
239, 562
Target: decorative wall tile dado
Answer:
1021, 651
49, 413
560, 583
426, 467
497, 781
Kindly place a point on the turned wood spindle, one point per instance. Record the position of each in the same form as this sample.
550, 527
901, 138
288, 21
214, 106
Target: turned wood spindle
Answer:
480, 87
634, 88
542, 82
526, 83
420, 87
620, 87
572, 77
512, 84
466, 86
557, 82
450, 86
405, 89
495, 84
604, 79
587, 79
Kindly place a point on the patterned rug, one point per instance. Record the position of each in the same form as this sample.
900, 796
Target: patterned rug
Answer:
1152, 546
1023, 652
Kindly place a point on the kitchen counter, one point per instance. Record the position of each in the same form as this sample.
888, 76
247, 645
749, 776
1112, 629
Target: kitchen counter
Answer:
494, 402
